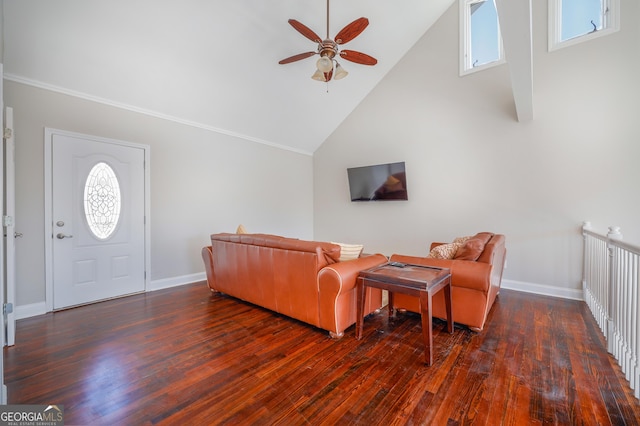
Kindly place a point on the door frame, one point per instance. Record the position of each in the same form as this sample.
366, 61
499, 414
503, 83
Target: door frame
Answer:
3, 387
8, 219
48, 205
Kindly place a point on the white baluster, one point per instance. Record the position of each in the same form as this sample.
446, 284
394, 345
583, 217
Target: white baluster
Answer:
614, 233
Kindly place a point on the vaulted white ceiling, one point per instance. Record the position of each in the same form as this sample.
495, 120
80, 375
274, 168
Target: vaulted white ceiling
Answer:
211, 63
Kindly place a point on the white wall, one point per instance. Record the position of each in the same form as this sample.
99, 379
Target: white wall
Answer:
201, 182
472, 167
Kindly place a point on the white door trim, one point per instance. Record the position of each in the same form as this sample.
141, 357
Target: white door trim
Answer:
3, 387
9, 227
48, 205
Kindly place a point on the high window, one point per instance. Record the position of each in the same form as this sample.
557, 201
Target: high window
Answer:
574, 21
480, 40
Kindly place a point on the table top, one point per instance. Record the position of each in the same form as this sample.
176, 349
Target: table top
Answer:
417, 276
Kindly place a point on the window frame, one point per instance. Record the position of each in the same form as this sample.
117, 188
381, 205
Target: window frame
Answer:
466, 67
611, 25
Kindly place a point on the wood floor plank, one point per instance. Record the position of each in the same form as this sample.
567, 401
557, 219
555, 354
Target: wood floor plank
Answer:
186, 356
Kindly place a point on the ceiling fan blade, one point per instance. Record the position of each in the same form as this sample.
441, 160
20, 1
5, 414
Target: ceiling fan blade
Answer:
358, 57
305, 31
351, 31
297, 57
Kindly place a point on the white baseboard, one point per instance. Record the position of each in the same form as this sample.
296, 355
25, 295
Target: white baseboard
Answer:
31, 310
176, 281
543, 290
40, 308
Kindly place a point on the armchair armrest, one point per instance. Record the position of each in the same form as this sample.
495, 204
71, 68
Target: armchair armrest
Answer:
464, 273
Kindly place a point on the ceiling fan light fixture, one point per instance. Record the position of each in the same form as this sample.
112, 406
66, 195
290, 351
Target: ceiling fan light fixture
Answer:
324, 64
340, 72
329, 51
318, 76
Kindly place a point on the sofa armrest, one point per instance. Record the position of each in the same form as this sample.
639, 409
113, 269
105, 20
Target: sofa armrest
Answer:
337, 295
207, 257
341, 277
464, 273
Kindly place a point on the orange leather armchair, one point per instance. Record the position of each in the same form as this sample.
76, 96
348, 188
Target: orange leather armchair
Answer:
475, 283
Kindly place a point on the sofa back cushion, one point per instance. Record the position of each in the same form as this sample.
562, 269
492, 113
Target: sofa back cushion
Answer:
327, 253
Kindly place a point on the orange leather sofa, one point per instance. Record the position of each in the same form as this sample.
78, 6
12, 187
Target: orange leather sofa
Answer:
475, 283
301, 279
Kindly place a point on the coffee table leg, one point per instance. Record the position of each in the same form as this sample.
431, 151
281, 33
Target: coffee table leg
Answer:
392, 312
359, 307
447, 303
427, 324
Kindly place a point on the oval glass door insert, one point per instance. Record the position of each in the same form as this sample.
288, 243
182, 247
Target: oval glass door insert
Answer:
102, 200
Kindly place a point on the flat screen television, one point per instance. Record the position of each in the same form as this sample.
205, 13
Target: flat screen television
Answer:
380, 182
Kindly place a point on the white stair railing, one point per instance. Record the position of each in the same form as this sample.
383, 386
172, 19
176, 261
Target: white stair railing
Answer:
610, 283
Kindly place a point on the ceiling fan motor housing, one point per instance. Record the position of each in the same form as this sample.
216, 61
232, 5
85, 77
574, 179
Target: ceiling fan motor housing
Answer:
328, 48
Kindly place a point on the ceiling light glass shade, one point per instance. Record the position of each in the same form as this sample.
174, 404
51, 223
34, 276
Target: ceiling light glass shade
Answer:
340, 72
324, 64
318, 76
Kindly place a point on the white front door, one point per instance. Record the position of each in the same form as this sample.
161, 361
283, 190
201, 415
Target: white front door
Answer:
97, 219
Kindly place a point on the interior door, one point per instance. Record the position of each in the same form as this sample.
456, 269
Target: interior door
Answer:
98, 215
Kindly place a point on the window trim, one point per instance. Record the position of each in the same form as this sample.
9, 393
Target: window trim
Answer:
555, 23
465, 40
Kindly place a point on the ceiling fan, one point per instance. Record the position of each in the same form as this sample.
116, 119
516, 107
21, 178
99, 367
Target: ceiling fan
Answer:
328, 49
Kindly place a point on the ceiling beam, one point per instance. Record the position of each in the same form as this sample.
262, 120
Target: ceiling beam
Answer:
516, 28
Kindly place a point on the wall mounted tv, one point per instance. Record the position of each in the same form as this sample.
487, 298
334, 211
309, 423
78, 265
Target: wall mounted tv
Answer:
380, 182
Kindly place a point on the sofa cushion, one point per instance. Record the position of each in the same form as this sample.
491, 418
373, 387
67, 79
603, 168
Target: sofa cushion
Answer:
444, 251
349, 251
241, 229
470, 250
484, 236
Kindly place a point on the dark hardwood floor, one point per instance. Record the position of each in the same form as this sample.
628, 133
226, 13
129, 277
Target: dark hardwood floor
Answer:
184, 356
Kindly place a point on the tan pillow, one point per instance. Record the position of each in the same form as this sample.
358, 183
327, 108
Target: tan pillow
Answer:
444, 251
470, 250
349, 251
462, 240
241, 229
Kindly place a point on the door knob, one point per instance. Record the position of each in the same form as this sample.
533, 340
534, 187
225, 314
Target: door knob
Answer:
61, 236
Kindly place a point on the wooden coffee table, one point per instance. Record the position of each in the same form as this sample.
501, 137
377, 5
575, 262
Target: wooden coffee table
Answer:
415, 280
